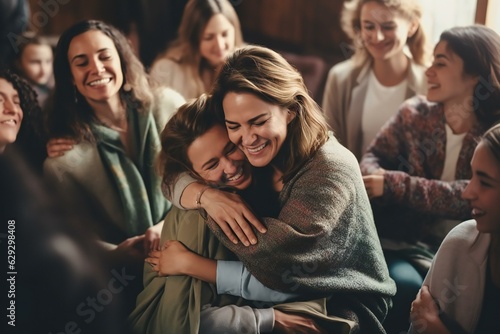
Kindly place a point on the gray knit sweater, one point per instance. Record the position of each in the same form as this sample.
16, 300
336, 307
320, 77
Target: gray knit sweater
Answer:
324, 242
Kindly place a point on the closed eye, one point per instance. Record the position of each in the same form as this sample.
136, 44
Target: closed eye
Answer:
260, 123
213, 166
232, 127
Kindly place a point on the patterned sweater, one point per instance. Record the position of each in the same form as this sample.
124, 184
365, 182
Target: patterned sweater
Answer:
324, 241
411, 148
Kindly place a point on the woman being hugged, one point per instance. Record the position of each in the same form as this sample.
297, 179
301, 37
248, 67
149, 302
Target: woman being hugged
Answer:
208, 33
325, 225
174, 299
461, 293
104, 104
387, 67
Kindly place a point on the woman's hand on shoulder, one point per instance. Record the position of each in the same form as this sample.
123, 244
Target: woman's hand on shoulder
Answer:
57, 146
232, 215
424, 314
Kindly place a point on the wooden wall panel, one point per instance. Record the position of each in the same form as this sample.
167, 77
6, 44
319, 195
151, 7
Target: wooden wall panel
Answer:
303, 26
52, 17
300, 26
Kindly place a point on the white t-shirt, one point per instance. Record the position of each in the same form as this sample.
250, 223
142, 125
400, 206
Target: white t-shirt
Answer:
453, 146
380, 104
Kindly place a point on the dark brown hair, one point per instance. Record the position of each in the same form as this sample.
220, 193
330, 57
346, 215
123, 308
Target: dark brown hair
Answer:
479, 49
71, 115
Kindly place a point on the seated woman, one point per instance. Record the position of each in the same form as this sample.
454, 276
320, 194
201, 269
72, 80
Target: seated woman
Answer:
325, 225
194, 142
387, 67
418, 165
208, 33
103, 102
461, 292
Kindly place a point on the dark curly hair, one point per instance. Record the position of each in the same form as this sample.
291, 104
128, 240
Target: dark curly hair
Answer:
27, 95
32, 112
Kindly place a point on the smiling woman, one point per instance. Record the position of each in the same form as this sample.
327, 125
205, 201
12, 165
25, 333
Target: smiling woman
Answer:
418, 165
19, 119
469, 256
387, 67
11, 114
103, 102
208, 33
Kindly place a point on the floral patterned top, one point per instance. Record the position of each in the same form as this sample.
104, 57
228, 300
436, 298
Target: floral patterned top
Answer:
411, 148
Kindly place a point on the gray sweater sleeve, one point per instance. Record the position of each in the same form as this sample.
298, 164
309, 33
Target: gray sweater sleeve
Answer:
176, 189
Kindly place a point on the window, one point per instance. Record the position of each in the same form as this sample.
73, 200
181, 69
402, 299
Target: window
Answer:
493, 21
440, 15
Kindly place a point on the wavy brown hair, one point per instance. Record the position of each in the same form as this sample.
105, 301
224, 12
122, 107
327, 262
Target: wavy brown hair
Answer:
266, 74
190, 121
70, 114
410, 9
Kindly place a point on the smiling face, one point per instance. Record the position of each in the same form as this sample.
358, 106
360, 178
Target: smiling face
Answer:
95, 66
483, 190
384, 32
217, 160
257, 127
11, 114
217, 40
447, 83
36, 63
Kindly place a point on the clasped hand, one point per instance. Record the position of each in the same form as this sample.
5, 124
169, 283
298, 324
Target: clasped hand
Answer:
170, 260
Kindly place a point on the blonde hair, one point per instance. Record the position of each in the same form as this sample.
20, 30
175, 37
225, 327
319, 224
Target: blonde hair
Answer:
267, 75
186, 48
410, 9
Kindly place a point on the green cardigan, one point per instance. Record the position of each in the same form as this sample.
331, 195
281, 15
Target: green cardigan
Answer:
324, 241
172, 304
120, 195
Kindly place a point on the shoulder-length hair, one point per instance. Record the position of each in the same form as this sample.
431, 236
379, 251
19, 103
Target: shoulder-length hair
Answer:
190, 121
267, 75
479, 49
410, 9
70, 114
197, 13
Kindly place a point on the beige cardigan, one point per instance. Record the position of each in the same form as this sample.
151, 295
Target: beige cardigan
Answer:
344, 96
80, 174
169, 73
